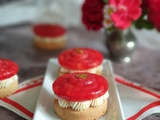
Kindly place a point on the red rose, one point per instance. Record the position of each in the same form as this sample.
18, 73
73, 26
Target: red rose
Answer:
153, 12
92, 14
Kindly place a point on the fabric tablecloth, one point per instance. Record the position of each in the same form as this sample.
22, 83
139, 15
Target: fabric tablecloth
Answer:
137, 101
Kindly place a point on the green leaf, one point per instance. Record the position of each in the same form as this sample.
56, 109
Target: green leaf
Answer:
147, 24
106, 1
142, 22
138, 25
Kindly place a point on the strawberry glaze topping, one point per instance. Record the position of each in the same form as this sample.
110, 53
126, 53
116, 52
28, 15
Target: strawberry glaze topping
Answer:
7, 69
48, 30
80, 58
80, 86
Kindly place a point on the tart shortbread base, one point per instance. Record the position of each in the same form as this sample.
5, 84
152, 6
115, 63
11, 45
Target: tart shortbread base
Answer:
49, 45
92, 113
9, 90
99, 72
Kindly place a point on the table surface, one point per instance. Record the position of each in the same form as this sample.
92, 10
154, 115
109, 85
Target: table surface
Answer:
16, 44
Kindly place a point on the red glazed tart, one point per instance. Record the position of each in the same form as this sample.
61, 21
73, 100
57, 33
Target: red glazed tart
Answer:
8, 77
49, 36
80, 96
80, 60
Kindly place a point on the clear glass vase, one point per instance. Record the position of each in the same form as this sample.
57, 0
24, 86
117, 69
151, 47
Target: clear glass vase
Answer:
120, 44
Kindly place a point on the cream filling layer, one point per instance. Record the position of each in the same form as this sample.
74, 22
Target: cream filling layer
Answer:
92, 70
5, 83
50, 40
78, 106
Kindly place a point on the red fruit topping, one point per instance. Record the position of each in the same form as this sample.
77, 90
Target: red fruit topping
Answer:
7, 69
48, 30
80, 86
80, 58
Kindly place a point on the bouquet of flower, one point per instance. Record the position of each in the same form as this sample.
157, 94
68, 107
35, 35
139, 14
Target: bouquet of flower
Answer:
121, 14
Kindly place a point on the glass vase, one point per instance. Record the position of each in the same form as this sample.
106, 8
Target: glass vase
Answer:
120, 44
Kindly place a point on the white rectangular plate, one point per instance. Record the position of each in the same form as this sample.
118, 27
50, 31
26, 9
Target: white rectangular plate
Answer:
44, 108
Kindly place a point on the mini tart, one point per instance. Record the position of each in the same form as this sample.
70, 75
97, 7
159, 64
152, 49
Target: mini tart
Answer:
80, 60
80, 96
49, 36
8, 77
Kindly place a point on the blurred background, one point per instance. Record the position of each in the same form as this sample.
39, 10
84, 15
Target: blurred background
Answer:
18, 16
19, 11
68, 13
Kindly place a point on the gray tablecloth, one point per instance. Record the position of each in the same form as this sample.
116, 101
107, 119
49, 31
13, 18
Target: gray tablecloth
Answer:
16, 44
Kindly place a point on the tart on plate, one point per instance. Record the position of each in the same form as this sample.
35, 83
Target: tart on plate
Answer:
78, 60
49, 36
8, 77
80, 96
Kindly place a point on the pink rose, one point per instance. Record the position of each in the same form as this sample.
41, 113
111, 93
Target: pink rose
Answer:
92, 14
154, 12
125, 12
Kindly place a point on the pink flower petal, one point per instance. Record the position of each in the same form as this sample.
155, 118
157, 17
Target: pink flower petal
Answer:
136, 2
120, 20
114, 2
126, 2
134, 14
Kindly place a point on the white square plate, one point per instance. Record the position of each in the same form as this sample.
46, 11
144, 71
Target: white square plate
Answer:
44, 109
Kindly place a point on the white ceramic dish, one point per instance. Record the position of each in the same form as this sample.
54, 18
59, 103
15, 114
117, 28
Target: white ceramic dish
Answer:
44, 108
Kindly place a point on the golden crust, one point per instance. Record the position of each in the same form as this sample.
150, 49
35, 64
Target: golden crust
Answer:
49, 46
92, 113
4, 92
99, 72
